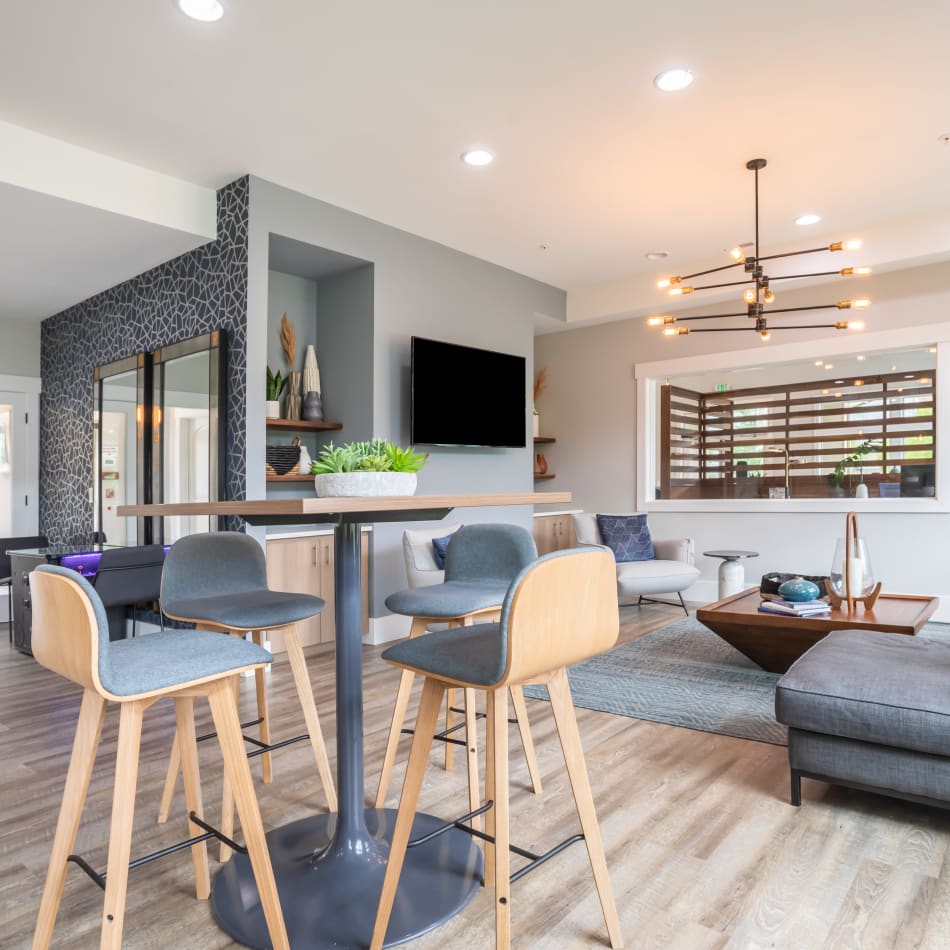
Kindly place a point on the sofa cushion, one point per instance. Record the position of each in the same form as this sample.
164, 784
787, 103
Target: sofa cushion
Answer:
654, 577
628, 536
886, 688
439, 547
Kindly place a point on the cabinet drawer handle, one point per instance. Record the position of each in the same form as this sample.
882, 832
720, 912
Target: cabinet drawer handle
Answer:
314, 555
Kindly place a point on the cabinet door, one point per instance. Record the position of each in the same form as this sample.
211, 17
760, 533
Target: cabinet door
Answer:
565, 533
545, 534
294, 564
325, 550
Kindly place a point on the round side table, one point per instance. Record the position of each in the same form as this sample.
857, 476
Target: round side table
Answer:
731, 571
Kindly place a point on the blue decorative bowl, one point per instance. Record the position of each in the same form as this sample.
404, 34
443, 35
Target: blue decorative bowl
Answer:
799, 590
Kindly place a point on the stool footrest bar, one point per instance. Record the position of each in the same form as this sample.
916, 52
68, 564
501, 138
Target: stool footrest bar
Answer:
263, 747
449, 825
244, 725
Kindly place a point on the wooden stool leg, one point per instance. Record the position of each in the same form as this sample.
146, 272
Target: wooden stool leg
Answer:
228, 727
471, 749
298, 666
185, 722
399, 717
171, 779
564, 718
490, 796
85, 744
524, 728
450, 701
227, 793
432, 694
498, 706
263, 731
120, 830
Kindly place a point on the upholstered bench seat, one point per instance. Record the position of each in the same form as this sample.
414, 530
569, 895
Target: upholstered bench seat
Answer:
871, 710
257, 609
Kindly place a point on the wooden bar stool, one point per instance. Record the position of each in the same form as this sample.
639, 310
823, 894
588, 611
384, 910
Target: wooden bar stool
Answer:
481, 561
559, 611
71, 637
218, 581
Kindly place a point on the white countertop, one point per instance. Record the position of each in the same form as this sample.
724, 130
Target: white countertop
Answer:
566, 511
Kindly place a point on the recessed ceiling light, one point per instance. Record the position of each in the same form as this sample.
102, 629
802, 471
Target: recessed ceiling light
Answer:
477, 157
672, 80
205, 10
656, 255
862, 358
806, 219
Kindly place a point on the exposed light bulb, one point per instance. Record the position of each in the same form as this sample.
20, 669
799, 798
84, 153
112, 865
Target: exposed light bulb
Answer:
849, 325
737, 254
655, 321
862, 303
679, 291
819, 362
749, 296
861, 358
855, 271
765, 335
664, 283
670, 331
852, 245
769, 297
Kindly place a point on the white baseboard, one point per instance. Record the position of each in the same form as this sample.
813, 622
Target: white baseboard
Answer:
386, 629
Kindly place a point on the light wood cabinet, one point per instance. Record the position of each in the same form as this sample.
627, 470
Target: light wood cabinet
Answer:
306, 566
553, 533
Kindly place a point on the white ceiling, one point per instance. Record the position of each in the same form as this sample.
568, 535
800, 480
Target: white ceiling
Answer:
368, 106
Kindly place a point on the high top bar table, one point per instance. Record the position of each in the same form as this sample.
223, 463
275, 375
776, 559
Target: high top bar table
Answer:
329, 868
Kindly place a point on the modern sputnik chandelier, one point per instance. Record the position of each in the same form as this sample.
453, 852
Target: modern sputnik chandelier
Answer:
758, 285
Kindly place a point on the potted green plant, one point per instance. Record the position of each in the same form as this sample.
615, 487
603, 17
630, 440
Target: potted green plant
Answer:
376, 467
836, 478
275, 387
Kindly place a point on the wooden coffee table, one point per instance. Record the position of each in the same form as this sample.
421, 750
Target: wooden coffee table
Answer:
775, 642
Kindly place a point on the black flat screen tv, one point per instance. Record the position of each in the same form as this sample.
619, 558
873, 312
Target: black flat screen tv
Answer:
465, 396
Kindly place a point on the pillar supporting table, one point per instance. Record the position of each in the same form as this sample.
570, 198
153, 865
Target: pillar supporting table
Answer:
329, 868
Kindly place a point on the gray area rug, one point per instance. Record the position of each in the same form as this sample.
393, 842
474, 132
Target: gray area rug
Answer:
684, 675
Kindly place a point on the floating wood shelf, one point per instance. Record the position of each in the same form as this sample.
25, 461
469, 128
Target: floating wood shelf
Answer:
290, 478
302, 425
538, 478
538, 439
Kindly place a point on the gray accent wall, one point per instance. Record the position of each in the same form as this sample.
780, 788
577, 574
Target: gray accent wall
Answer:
590, 407
419, 288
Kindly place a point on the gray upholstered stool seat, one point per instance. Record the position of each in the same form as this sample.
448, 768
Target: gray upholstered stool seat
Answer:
471, 654
481, 561
71, 638
447, 600
258, 609
870, 710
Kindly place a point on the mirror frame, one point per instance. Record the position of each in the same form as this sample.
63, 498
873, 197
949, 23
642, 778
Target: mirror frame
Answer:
650, 376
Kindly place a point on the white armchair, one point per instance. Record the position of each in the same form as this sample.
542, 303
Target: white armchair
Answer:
671, 572
421, 567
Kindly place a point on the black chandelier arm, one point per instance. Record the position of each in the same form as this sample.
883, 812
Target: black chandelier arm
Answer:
817, 273
820, 306
731, 283
721, 329
712, 316
804, 326
712, 270
811, 250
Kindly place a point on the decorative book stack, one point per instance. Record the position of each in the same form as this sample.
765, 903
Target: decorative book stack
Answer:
792, 608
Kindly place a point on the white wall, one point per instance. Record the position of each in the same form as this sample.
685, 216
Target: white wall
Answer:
590, 407
20, 347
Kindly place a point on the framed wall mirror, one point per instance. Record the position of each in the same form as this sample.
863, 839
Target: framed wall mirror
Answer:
851, 424
188, 427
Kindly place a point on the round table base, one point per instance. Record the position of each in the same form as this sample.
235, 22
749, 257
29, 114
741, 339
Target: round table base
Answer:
330, 899
731, 578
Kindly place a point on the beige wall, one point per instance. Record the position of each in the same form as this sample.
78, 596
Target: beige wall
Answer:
20, 347
590, 407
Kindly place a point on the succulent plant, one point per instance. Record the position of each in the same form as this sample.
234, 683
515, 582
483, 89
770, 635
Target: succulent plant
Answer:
275, 385
377, 455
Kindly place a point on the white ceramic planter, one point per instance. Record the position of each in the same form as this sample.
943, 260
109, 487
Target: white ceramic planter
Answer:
361, 484
272, 409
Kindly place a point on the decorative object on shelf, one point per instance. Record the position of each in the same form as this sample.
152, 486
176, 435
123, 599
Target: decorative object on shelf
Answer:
836, 478
294, 402
312, 409
852, 579
799, 590
540, 464
861, 491
772, 582
288, 340
305, 461
759, 291
540, 383
283, 458
356, 469
275, 386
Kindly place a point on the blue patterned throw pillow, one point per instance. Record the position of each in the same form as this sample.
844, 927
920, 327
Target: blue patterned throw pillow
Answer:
627, 536
439, 547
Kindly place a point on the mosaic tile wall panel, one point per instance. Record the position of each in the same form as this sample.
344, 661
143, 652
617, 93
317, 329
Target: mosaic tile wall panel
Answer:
196, 293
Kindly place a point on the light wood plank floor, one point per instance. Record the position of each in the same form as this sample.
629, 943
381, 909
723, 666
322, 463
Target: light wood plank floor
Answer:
704, 850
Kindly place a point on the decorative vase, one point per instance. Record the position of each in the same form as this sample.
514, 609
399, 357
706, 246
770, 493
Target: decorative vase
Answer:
362, 484
536, 424
272, 409
853, 558
305, 461
311, 372
312, 409
799, 590
540, 464
294, 400
861, 491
